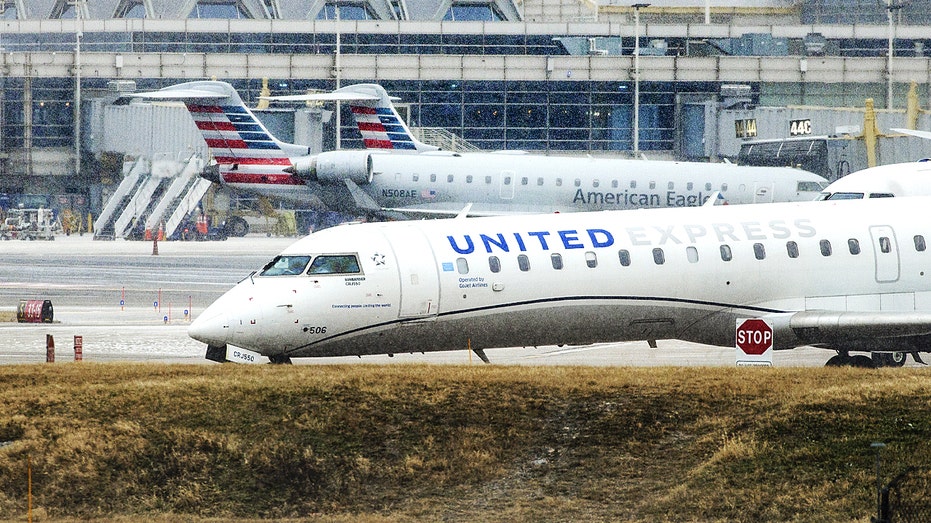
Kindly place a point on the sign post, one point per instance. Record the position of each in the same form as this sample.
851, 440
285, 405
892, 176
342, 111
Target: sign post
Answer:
754, 341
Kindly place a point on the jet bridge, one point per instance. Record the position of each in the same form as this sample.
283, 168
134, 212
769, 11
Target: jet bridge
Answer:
158, 193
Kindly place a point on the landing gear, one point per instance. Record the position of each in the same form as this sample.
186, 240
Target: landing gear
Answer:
280, 359
844, 358
889, 359
874, 360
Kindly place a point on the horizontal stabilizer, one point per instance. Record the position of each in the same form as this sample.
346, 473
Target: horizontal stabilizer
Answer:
920, 134
181, 94
323, 97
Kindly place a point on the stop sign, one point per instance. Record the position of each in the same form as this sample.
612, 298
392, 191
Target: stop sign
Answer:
754, 336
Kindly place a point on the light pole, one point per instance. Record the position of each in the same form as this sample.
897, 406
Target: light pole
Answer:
891, 5
637, 8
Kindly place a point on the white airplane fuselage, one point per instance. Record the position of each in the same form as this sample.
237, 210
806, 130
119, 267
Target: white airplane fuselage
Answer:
884, 181
848, 275
504, 183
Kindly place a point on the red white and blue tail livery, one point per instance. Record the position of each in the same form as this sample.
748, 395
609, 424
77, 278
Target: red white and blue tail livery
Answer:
379, 123
245, 152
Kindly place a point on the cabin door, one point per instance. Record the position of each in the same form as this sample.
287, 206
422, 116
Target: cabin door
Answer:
418, 273
763, 192
886, 252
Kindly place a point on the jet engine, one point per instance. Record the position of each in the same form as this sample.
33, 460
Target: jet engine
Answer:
333, 167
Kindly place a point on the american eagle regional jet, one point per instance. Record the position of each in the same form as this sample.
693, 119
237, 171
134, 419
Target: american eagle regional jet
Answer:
847, 276
425, 181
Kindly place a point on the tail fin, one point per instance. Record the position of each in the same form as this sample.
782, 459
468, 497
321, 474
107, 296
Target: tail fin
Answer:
379, 123
245, 151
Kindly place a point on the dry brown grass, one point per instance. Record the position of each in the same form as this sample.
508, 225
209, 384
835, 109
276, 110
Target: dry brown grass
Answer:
123, 442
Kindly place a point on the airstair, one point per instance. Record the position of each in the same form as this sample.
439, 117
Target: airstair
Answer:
160, 192
136, 173
180, 198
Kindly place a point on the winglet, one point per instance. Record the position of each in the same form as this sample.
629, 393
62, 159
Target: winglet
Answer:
465, 211
716, 198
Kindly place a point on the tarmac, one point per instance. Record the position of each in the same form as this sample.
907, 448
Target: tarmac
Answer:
129, 304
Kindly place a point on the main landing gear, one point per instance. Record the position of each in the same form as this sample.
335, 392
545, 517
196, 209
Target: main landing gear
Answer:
877, 359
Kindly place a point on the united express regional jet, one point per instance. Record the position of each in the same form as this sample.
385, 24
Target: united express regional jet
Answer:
426, 181
884, 181
847, 276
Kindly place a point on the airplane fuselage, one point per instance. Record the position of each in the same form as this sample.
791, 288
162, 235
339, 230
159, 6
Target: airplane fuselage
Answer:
841, 275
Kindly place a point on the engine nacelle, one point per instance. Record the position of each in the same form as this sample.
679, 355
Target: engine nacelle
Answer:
333, 167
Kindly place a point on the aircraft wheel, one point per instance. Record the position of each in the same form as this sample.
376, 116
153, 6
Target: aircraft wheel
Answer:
889, 359
861, 361
237, 227
279, 359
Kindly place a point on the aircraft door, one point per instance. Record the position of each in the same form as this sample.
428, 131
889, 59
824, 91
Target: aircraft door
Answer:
418, 272
508, 181
886, 252
763, 192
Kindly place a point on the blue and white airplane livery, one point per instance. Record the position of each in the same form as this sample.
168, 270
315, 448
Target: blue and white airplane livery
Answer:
848, 276
399, 175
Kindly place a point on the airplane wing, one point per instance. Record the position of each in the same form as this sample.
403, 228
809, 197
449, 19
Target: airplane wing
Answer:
883, 330
920, 134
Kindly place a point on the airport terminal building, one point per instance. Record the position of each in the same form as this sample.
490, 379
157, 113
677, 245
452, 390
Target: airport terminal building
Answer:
542, 75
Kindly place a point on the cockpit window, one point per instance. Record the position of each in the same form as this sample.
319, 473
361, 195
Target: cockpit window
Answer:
845, 196
881, 195
285, 266
334, 264
810, 186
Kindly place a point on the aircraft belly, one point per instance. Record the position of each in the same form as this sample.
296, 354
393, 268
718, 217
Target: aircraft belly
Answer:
559, 322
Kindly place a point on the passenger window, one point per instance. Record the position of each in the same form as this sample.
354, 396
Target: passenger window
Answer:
433, 177
556, 259
723, 187
449, 178
523, 262
524, 180
469, 178
591, 259
558, 182
759, 251
726, 253
633, 184
539, 181
652, 185
659, 257
792, 249
624, 256
689, 186
416, 177
826, 248
920, 243
692, 254
614, 184
334, 264
462, 265
578, 182
708, 186
854, 245
595, 183
494, 264
488, 180
285, 266
671, 186
885, 244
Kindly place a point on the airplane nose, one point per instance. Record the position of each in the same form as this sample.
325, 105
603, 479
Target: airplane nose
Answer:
211, 327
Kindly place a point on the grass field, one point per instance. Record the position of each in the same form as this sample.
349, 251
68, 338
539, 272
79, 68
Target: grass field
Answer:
145, 442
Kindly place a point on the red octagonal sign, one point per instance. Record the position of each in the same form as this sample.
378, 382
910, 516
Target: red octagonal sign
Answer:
754, 336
